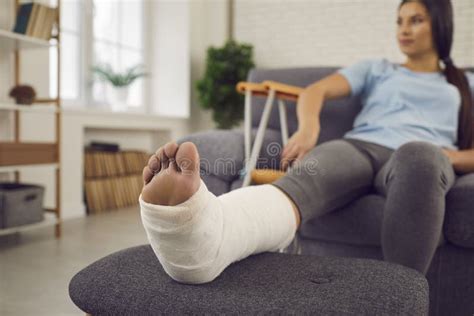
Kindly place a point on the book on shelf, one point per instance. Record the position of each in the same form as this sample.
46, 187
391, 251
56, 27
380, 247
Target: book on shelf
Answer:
105, 194
36, 20
112, 179
22, 18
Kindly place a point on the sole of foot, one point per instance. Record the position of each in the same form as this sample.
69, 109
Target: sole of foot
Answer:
172, 174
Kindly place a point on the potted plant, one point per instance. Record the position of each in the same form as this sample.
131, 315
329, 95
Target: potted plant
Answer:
119, 83
225, 67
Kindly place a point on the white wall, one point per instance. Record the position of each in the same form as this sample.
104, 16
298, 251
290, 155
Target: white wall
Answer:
209, 22
182, 32
289, 33
170, 62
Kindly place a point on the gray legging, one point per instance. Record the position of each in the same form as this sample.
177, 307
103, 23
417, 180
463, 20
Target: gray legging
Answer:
414, 179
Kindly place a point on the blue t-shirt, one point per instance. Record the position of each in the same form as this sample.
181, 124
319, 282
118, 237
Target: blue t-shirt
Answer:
400, 105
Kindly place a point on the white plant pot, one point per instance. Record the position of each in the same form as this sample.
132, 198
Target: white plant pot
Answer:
117, 97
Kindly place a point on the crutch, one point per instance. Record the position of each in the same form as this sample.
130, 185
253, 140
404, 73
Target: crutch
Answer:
271, 90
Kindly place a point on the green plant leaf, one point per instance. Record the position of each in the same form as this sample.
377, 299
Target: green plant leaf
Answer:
105, 73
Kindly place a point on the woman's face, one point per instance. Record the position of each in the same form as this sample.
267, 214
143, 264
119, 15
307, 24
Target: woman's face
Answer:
414, 30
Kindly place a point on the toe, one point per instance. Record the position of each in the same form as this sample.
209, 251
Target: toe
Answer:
162, 158
147, 175
170, 149
187, 157
154, 164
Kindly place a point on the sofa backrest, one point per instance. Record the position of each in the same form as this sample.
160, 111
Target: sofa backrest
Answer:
337, 116
470, 77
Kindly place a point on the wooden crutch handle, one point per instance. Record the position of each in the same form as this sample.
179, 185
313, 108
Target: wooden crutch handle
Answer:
264, 176
283, 91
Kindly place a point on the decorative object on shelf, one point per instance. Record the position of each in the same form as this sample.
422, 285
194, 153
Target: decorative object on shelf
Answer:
23, 94
36, 20
102, 146
225, 67
119, 83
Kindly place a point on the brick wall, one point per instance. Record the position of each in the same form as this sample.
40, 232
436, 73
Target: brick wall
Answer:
289, 33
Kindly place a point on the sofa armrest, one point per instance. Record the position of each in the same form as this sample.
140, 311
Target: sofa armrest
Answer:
459, 219
222, 154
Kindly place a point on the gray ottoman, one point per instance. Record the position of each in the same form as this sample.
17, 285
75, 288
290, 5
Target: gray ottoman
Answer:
132, 282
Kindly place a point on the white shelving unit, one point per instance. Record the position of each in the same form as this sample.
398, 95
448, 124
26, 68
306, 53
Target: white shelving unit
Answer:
49, 220
20, 168
39, 107
18, 156
11, 40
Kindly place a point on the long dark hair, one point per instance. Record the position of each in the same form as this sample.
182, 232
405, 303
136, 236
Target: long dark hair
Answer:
442, 25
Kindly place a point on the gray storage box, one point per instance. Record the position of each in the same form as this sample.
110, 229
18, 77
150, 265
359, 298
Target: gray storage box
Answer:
20, 204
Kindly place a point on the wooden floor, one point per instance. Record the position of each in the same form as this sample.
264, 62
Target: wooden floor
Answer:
35, 268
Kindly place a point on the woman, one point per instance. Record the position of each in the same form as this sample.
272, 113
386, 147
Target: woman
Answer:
413, 133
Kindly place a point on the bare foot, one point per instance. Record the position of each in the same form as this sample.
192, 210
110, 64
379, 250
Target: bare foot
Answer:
172, 174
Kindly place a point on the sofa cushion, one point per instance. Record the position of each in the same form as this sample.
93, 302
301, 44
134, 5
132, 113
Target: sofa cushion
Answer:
360, 222
459, 219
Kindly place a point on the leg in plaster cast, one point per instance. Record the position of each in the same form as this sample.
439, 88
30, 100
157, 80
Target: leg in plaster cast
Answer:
196, 235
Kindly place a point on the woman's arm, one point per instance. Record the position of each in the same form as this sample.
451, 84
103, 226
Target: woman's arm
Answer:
308, 109
311, 100
462, 160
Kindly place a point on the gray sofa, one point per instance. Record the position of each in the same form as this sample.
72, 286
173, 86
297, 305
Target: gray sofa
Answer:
353, 231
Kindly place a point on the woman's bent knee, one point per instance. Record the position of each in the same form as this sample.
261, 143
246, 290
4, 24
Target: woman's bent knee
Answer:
423, 162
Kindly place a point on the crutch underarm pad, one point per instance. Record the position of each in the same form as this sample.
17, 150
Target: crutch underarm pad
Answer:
282, 90
255, 88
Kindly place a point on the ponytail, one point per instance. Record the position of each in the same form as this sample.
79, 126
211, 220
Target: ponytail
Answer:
457, 77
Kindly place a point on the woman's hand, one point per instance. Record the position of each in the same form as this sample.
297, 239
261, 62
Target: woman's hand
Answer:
451, 154
298, 145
